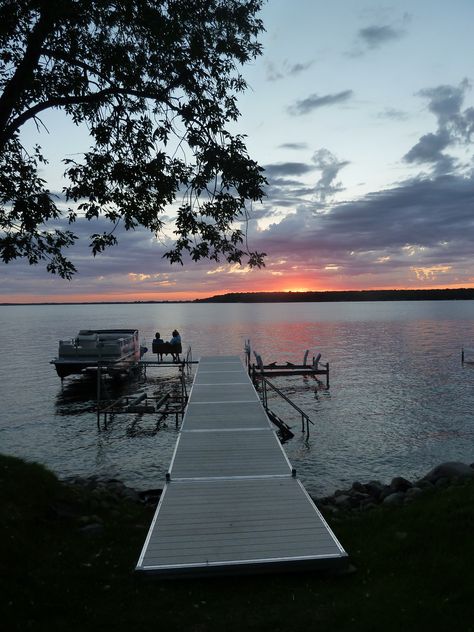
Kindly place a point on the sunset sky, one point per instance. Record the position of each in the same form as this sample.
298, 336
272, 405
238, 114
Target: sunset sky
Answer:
362, 114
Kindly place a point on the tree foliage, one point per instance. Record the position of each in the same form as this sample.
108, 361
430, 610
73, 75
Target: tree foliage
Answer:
155, 83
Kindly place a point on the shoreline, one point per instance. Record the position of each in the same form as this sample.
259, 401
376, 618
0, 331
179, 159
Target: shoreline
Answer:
312, 296
359, 497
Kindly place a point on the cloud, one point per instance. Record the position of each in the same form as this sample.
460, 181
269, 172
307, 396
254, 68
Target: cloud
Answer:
375, 36
392, 113
286, 69
418, 233
383, 29
455, 127
329, 166
273, 74
445, 101
295, 69
430, 149
314, 101
422, 224
295, 146
287, 169
291, 185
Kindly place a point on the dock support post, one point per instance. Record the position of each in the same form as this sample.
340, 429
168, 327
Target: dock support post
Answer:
327, 375
98, 395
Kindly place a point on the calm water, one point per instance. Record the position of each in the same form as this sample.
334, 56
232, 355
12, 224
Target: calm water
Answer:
399, 403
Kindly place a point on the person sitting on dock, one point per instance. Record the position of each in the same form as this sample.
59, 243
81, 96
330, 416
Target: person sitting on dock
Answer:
176, 345
158, 341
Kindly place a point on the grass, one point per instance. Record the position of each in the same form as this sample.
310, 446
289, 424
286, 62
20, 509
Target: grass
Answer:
414, 568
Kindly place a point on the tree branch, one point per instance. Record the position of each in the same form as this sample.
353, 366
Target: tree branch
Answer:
95, 97
23, 74
62, 56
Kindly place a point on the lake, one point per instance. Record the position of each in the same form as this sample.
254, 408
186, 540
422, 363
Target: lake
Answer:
399, 401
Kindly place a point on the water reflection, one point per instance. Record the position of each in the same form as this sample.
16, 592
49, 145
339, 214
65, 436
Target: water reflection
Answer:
79, 394
399, 399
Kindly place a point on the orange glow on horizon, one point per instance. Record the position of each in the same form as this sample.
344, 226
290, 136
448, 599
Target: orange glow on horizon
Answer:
298, 289
129, 297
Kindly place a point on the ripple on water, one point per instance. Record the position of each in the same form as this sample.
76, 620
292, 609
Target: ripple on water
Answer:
399, 402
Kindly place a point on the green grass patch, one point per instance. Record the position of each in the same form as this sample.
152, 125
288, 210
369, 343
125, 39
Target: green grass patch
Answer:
67, 556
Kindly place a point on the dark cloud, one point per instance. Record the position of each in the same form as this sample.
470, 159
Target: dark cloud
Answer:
445, 101
455, 127
423, 212
430, 148
420, 232
385, 28
419, 224
314, 101
287, 169
375, 36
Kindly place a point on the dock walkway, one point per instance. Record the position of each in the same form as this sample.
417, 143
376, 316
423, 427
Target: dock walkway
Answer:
232, 503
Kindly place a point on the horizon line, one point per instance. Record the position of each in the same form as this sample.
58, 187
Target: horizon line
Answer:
216, 297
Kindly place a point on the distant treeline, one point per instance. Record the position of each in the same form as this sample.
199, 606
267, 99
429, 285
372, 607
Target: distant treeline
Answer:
462, 294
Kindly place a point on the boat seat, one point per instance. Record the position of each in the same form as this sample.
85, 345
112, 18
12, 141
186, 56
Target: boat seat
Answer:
87, 340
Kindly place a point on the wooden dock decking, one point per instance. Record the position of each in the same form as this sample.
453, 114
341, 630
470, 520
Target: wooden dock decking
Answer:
232, 503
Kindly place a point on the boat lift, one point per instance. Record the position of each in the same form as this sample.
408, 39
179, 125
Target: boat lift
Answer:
259, 374
142, 403
276, 370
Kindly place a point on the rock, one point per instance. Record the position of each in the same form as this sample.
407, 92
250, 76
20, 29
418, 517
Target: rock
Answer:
394, 499
63, 510
374, 488
424, 484
93, 528
400, 484
85, 520
449, 470
115, 486
342, 501
358, 497
130, 494
150, 496
368, 506
384, 492
413, 492
358, 487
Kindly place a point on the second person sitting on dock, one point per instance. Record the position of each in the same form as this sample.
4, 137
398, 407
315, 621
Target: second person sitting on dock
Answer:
176, 345
156, 345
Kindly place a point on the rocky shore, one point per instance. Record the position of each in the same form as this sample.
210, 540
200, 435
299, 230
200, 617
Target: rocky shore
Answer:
359, 497
366, 496
111, 489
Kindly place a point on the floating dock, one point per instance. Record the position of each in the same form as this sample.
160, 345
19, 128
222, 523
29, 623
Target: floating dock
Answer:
232, 503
